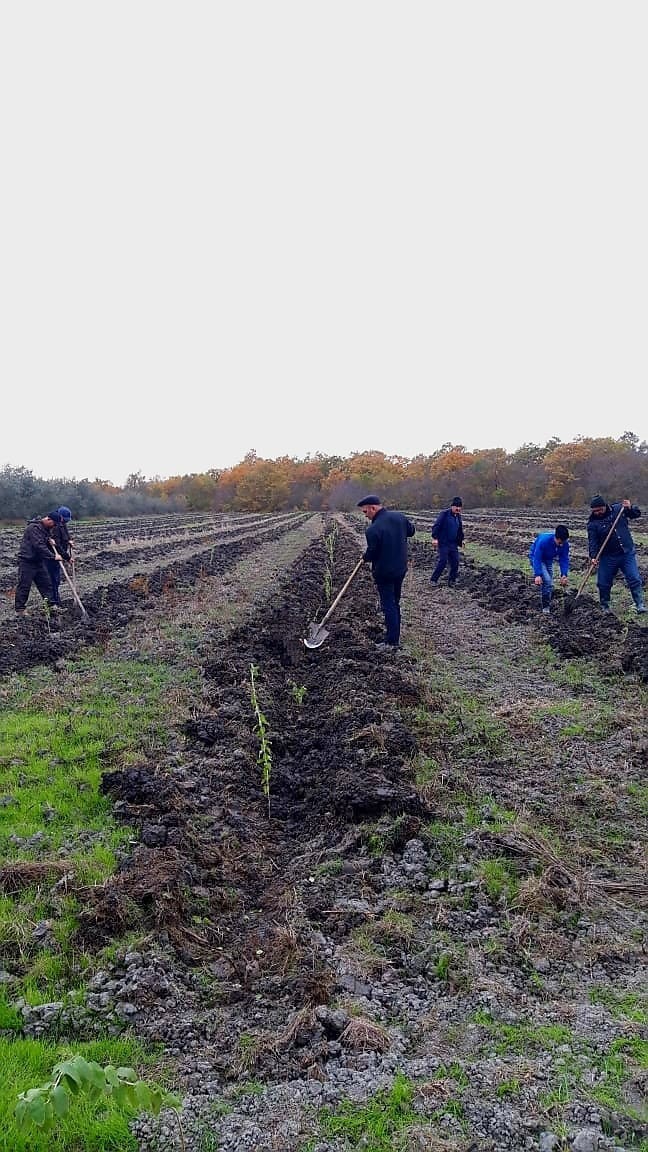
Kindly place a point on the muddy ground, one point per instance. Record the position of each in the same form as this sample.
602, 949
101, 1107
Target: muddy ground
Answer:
446, 871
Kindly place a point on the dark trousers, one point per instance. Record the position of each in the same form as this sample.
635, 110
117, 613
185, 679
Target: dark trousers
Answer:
448, 554
608, 566
390, 594
32, 572
54, 569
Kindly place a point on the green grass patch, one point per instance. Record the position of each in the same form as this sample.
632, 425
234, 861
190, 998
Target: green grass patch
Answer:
379, 1125
638, 794
88, 1126
523, 1037
58, 734
621, 1005
499, 559
499, 879
587, 721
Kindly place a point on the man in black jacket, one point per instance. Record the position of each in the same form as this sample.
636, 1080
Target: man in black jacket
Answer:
448, 535
33, 556
386, 551
619, 554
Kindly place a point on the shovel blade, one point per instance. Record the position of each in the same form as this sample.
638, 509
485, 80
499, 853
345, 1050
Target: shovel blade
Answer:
316, 636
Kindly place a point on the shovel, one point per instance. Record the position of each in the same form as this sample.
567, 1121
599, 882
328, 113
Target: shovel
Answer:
65, 573
570, 601
317, 633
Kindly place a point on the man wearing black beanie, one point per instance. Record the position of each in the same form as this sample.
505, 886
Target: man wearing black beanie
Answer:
618, 553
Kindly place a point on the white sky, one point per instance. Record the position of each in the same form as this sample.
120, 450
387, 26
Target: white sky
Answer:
297, 226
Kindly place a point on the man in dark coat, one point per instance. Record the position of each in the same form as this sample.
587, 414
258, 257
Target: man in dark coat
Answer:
63, 542
387, 536
33, 556
448, 535
619, 553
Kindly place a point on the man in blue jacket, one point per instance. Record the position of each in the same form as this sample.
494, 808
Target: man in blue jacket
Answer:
547, 547
387, 536
63, 541
448, 535
619, 553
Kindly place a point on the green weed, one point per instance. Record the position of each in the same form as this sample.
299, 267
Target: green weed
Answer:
621, 1004
499, 879
89, 1126
379, 1125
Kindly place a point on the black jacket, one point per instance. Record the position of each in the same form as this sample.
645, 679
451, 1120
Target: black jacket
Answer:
448, 529
62, 540
621, 539
34, 546
386, 550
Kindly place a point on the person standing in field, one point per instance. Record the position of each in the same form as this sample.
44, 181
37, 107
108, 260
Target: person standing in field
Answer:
448, 537
619, 553
63, 542
387, 535
33, 556
547, 547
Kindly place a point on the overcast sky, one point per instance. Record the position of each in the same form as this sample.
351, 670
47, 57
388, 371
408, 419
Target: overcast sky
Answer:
301, 227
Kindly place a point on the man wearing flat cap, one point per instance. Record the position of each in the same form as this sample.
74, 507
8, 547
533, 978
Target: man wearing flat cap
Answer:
33, 556
448, 536
387, 535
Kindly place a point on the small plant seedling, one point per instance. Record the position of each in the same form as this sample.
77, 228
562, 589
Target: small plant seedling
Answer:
298, 691
264, 758
45, 1105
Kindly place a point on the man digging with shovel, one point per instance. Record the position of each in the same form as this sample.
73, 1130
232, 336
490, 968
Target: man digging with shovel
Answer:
386, 551
612, 549
547, 547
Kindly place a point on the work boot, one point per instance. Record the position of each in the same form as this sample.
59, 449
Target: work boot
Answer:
605, 607
641, 608
545, 612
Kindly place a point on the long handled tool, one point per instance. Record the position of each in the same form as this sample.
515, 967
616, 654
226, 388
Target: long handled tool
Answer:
65, 573
317, 633
570, 601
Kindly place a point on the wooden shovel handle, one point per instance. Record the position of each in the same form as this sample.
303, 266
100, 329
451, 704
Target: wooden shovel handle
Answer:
58, 557
342, 591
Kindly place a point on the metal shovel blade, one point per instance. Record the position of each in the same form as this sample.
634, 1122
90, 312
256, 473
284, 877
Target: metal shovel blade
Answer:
316, 636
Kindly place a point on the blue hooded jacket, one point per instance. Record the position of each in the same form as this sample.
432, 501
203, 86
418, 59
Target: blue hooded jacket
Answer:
544, 550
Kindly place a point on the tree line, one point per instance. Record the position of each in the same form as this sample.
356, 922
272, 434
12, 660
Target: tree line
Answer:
554, 475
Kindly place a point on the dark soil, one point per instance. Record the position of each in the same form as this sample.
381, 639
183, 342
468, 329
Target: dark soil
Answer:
264, 908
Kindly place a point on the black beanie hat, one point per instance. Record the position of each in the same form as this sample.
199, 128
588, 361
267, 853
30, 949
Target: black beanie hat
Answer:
55, 516
457, 501
597, 502
368, 500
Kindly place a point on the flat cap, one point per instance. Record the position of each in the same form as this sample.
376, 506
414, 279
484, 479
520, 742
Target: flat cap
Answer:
368, 500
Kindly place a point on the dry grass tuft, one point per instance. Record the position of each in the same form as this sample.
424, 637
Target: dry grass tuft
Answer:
20, 874
364, 1035
563, 881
